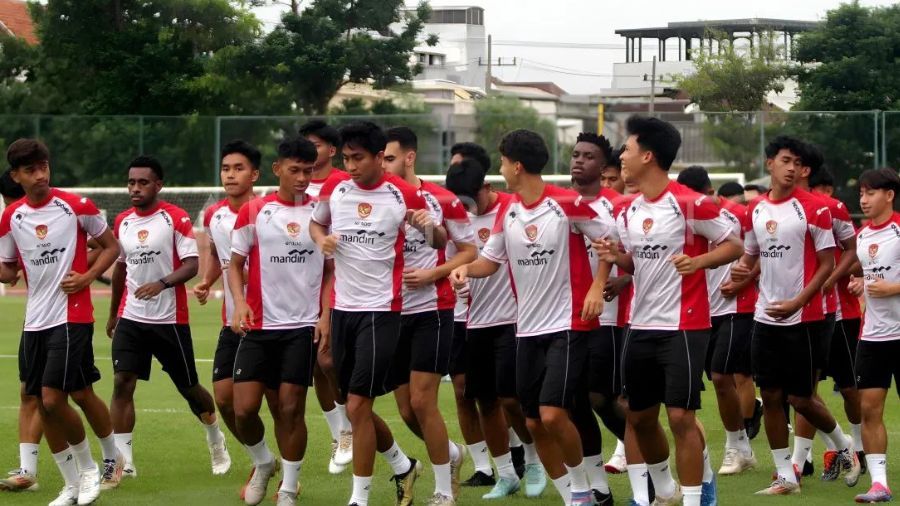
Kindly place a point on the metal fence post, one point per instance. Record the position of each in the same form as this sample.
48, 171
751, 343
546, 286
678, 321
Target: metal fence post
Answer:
762, 143
217, 149
875, 151
141, 134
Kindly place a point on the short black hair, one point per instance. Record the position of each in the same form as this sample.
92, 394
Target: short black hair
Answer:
24, 152
9, 188
880, 179
365, 135
696, 178
149, 162
297, 148
657, 136
730, 189
823, 177
813, 158
755, 188
243, 147
599, 141
795, 146
472, 151
465, 178
322, 130
404, 136
527, 148
615, 160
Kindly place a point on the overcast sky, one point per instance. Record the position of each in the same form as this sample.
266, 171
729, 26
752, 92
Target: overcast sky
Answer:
592, 23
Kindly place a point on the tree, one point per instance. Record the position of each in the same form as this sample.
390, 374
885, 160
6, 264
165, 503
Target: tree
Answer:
498, 115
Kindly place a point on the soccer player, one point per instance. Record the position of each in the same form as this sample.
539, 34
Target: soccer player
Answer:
822, 182
666, 235
148, 314
878, 250
279, 318
611, 174
47, 230
732, 191
426, 321
367, 218
789, 231
728, 357
540, 233
752, 191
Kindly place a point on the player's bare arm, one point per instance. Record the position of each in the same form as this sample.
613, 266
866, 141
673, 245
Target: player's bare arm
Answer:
109, 251
480, 268
322, 334
732, 288
880, 288
593, 301
417, 278
421, 220
848, 259
181, 275
608, 250
325, 241
243, 316
725, 252
9, 272
118, 288
210, 275
743, 269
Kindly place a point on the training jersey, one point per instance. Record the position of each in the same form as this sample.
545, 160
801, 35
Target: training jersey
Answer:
370, 223
745, 301
786, 234
218, 222
678, 221
544, 245
50, 239
626, 296
284, 278
153, 244
878, 250
843, 229
446, 210
461, 309
315, 186
491, 299
603, 206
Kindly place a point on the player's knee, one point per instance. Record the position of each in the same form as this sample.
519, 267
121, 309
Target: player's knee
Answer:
723, 382
51, 404
801, 404
359, 410
872, 409
534, 425
194, 397
771, 398
422, 402
682, 421
554, 419
488, 407
124, 385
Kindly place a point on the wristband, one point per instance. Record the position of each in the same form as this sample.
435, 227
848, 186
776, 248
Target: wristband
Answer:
165, 283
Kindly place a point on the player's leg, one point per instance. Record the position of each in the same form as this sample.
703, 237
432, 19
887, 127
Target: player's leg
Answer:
602, 381
223, 384
804, 430
730, 357
467, 413
97, 415
400, 373
751, 405
336, 418
842, 363
875, 366
131, 361
30, 432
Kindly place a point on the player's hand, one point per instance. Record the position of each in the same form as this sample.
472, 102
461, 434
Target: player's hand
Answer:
111, 326
782, 309
459, 277
322, 333
740, 272
421, 220
201, 291
880, 288
148, 291
684, 264
417, 278
75, 282
463, 291
856, 286
242, 319
614, 287
607, 250
328, 244
593, 304
14, 280
828, 285
730, 289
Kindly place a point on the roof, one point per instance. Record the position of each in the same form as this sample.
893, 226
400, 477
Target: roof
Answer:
698, 28
544, 86
16, 20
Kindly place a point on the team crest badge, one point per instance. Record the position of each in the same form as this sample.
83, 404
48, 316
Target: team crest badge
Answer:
143, 235
293, 229
40, 231
647, 225
364, 210
771, 226
531, 232
484, 234
873, 251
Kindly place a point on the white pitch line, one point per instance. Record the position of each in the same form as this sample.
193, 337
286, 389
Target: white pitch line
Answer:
109, 358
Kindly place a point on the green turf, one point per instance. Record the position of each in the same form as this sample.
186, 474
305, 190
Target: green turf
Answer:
173, 463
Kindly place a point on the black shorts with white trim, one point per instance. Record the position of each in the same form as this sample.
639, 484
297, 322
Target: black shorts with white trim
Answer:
663, 367
135, 344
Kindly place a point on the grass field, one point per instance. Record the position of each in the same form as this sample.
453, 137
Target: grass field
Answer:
173, 463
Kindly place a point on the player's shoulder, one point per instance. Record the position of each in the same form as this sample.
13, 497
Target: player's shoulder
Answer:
408, 191
622, 202
6, 216
80, 204
732, 207
338, 176
335, 178
124, 215
211, 211
178, 214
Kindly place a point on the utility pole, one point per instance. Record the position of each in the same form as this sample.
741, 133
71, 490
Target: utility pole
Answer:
490, 64
487, 75
653, 86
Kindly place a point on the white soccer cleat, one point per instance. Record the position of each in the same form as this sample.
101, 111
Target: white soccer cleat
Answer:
112, 472
129, 471
344, 454
67, 497
18, 481
285, 498
89, 488
735, 462
616, 464
333, 466
221, 460
255, 491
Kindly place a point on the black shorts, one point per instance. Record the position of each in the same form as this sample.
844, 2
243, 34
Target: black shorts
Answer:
729, 344
551, 370
135, 344
877, 363
226, 348
783, 357
605, 365
458, 349
491, 363
61, 357
426, 339
274, 357
842, 358
363, 345
663, 367
821, 333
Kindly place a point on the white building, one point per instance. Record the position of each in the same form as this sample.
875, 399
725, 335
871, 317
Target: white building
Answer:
461, 51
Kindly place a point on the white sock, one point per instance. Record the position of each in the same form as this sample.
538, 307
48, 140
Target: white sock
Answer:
124, 443
856, 430
562, 486
361, 486
783, 464
829, 445
454, 451
65, 461
802, 447
290, 475
82, 452
531, 454
739, 441
260, 454
620, 448
108, 447
334, 418
877, 464
707, 467
213, 433
345, 422
514, 441
28, 457
691, 495
579, 479
637, 476
481, 459
840, 440
663, 482
596, 473
505, 467
399, 462
442, 479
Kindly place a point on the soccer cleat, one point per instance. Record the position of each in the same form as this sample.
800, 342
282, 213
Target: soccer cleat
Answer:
535, 480
830, 471
754, 423
878, 493
480, 479
616, 464
581, 498
406, 483
676, 498
455, 468
709, 494
849, 467
780, 487
440, 500
67, 497
518, 459
808, 468
89, 487
504, 487
112, 472
861, 457
221, 460
601, 499
19, 481
735, 462
344, 454
129, 471
333, 466
285, 498
255, 490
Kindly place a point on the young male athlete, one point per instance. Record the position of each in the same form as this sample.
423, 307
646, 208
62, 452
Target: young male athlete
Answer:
540, 232
361, 222
47, 231
148, 314
878, 251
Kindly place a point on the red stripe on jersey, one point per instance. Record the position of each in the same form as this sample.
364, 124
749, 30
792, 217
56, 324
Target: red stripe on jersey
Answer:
80, 309
254, 284
850, 308
397, 300
694, 294
446, 297
181, 304
814, 309
581, 280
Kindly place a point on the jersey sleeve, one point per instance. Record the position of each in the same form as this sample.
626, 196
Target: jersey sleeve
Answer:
89, 218
819, 224
8, 253
116, 226
622, 231
495, 247
207, 218
704, 217
243, 236
185, 242
751, 244
456, 219
841, 222
322, 212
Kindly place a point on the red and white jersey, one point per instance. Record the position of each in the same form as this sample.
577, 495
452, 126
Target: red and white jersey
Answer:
786, 234
626, 296
370, 223
51, 240
284, 280
745, 302
218, 222
153, 245
315, 186
679, 221
544, 245
843, 229
603, 206
878, 250
491, 299
848, 304
446, 210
